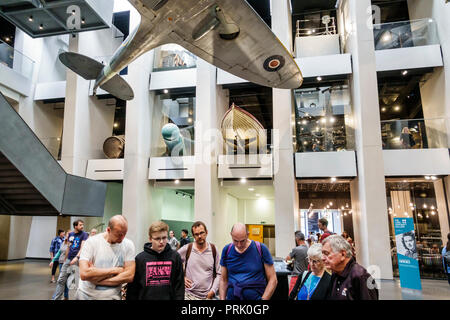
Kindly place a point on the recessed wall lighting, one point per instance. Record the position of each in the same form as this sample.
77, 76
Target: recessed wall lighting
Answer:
41, 27
397, 108
387, 37
30, 18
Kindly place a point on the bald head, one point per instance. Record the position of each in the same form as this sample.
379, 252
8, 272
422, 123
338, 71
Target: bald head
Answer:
117, 221
239, 235
239, 229
117, 229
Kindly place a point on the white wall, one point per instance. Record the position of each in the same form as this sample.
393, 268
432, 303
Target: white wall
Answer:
43, 230
257, 211
176, 207
51, 69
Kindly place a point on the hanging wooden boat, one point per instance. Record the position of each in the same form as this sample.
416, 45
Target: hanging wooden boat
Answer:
241, 130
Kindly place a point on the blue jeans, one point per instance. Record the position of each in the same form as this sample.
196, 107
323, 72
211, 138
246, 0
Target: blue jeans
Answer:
61, 284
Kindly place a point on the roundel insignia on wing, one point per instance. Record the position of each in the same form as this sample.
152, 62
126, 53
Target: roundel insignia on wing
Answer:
274, 63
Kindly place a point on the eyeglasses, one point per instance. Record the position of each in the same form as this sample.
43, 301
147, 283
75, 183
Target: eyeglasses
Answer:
314, 261
160, 239
201, 233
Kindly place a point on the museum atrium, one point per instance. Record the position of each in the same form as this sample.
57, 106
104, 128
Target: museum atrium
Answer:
197, 142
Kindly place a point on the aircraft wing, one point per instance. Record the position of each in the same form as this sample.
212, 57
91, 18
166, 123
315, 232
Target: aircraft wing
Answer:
226, 33
255, 54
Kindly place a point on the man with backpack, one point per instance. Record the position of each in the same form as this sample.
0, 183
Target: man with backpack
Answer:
247, 268
201, 264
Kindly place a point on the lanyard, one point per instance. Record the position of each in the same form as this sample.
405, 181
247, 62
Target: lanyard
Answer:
309, 292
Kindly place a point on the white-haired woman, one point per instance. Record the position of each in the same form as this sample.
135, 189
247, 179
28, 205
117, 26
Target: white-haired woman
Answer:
314, 284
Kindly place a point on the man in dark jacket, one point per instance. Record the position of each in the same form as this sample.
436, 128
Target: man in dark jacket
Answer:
159, 270
350, 281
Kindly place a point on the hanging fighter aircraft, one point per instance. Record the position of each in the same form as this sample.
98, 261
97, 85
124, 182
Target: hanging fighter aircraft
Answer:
226, 33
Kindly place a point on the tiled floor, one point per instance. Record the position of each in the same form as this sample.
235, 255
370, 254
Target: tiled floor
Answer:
30, 280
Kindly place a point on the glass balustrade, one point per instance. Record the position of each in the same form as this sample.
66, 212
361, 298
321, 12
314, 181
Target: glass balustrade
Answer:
53, 145
414, 134
15, 60
323, 120
405, 34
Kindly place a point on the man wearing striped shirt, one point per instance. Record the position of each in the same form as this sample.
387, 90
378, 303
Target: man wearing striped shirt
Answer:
202, 267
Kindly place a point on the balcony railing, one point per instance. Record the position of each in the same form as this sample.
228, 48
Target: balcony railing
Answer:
173, 57
316, 27
323, 120
16, 60
405, 34
414, 134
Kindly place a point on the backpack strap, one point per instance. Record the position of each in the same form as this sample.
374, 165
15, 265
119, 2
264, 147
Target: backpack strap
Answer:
188, 254
258, 246
214, 252
228, 250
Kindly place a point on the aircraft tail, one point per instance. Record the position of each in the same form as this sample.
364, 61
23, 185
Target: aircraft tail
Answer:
91, 69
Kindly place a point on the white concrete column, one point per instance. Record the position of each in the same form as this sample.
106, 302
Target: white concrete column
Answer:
138, 205
442, 207
285, 185
368, 190
39, 119
87, 120
436, 91
211, 103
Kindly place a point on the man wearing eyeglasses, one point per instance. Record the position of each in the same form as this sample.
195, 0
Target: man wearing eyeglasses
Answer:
203, 270
159, 270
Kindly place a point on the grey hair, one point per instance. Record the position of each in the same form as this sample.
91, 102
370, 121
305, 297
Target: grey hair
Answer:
338, 243
315, 251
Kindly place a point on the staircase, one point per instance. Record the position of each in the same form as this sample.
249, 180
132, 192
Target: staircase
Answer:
32, 183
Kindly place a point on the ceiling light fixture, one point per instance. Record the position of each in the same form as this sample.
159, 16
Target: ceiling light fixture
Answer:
405, 72
41, 27
319, 78
243, 180
177, 181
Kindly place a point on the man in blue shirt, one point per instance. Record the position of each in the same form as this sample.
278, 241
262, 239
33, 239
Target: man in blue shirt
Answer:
247, 268
54, 248
76, 240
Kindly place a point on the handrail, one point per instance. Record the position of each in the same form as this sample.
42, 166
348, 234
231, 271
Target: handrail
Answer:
1, 41
419, 119
405, 21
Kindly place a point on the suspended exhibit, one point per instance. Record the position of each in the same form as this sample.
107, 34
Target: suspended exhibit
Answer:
242, 132
226, 33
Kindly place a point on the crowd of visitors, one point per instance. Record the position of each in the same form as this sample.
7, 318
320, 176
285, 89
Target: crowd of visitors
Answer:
105, 266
